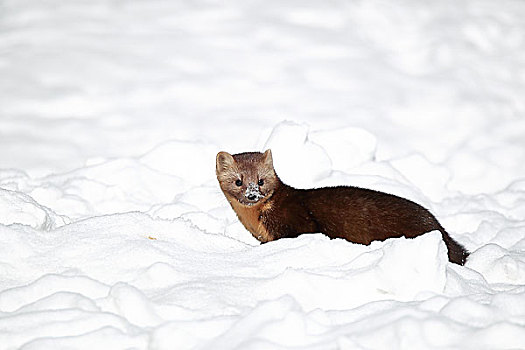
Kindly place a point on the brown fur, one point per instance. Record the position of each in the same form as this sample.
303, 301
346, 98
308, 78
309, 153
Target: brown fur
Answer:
275, 210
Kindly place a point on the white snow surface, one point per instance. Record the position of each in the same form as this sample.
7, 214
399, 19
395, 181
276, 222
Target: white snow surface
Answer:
114, 233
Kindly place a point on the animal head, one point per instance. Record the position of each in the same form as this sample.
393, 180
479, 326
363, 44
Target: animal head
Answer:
248, 178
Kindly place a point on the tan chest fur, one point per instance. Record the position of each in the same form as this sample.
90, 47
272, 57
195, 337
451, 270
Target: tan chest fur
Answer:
250, 218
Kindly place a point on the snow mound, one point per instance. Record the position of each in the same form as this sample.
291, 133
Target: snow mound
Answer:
290, 144
156, 272
19, 208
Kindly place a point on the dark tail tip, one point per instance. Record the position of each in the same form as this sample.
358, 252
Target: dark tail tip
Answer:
457, 254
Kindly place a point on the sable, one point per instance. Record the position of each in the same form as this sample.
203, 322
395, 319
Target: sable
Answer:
270, 209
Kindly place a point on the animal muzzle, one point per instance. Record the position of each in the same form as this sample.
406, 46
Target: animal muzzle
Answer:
252, 192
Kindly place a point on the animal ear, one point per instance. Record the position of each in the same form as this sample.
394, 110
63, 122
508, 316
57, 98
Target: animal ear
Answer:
224, 162
268, 160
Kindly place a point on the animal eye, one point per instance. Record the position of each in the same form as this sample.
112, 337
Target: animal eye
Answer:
261, 182
238, 183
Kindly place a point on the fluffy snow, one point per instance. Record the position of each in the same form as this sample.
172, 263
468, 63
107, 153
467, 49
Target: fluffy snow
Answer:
114, 233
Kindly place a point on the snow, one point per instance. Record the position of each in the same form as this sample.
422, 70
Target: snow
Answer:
252, 191
114, 233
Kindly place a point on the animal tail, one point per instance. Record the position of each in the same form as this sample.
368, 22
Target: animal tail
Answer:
456, 252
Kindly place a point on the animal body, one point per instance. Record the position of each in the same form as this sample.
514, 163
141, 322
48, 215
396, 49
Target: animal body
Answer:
270, 209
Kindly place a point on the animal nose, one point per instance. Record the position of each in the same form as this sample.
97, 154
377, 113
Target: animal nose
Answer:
252, 192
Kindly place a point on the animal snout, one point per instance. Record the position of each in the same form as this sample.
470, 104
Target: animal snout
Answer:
252, 192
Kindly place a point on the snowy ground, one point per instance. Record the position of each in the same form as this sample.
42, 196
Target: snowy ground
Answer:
114, 233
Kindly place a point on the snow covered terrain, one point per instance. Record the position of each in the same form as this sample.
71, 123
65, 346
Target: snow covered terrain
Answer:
114, 233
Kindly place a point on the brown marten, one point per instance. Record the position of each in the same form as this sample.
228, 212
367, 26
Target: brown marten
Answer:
270, 209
